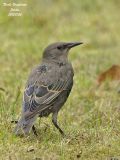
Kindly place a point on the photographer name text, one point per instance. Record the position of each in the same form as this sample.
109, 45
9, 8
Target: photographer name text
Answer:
15, 8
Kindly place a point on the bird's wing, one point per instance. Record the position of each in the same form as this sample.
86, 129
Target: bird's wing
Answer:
39, 96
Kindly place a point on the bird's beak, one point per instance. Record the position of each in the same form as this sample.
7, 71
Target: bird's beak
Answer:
73, 44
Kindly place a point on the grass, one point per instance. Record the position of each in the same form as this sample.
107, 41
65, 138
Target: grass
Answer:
90, 120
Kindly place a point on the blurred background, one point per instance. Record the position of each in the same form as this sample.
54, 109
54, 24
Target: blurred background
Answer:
96, 23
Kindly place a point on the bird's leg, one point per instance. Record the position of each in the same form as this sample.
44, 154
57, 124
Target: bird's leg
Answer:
54, 120
33, 128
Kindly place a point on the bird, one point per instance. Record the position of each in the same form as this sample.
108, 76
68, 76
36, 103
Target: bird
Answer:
48, 87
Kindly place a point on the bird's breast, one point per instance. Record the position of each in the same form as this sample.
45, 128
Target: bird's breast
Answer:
66, 71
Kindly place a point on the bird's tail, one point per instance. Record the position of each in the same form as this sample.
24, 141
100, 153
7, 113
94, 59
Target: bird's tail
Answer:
24, 126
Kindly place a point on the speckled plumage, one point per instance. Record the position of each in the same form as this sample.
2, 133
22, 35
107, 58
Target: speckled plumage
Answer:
48, 87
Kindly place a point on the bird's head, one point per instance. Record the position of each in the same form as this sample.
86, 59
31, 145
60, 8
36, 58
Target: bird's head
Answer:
59, 50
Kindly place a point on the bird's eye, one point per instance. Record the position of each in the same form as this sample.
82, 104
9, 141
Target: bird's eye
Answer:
59, 47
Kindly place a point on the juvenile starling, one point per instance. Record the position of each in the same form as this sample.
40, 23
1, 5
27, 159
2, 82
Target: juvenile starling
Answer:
47, 88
